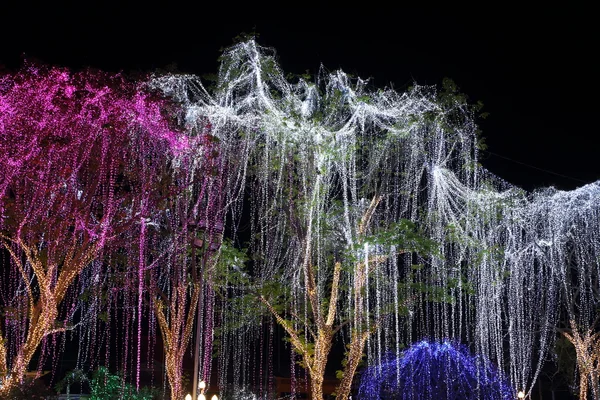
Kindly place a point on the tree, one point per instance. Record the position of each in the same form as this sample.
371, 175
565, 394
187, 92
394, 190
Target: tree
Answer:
190, 250
74, 161
315, 153
581, 317
319, 315
587, 350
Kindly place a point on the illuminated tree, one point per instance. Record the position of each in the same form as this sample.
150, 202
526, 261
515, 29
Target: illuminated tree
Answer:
77, 157
587, 350
194, 229
319, 316
314, 151
581, 313
330, 248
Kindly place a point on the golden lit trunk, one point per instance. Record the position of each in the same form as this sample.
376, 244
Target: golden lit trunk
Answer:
319, 361
357, 344
43, 312
3, 365
587, 350
176, 333
595, 379
316, 386
41, 320
173, 366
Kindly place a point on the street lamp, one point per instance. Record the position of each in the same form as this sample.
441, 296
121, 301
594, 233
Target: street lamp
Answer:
202, 386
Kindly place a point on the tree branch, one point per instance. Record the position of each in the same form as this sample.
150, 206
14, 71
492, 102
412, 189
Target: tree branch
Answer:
294, 337
17, 261
3, 361
334, 294
366, 218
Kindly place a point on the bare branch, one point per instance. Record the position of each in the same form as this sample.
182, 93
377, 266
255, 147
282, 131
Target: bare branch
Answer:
366, 218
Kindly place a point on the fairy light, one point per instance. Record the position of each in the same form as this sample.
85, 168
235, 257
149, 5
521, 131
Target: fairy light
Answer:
67, 136
425, 365
587, 350
330, 140
309, 150
176, 333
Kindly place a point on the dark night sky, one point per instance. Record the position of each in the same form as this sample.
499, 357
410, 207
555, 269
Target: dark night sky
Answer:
535, 69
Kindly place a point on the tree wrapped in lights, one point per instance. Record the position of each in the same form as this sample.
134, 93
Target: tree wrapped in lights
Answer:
327, 228
434, 370
190, 252
581, 299
314, 153
74, 161
587, 351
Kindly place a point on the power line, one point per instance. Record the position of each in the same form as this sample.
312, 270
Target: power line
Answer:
534, 167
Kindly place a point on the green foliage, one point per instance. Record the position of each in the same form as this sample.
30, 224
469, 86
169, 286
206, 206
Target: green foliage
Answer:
105, 385
230, 265
243, 310
308, 347
405, 235
244, 37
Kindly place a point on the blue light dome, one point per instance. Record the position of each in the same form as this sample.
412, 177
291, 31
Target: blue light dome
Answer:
434, 370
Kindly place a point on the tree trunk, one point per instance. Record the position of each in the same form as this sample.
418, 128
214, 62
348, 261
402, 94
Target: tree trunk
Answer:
588, 359
595, 379
316, 386
357, 344
41, 319
173, 364
582, 386
176, 333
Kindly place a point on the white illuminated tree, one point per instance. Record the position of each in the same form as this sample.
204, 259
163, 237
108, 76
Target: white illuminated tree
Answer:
313, 153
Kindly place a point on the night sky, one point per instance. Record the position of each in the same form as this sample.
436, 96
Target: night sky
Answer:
534, 69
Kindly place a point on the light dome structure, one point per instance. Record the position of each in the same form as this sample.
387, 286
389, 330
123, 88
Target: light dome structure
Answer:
434, 370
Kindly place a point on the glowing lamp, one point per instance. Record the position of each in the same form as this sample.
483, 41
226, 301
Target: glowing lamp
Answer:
521, 395
202, 385
215, 397
188, 397
201, 397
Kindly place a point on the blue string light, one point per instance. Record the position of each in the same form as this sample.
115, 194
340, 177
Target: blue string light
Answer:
434, 370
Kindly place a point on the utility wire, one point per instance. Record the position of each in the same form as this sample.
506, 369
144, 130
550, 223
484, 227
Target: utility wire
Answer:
534, 167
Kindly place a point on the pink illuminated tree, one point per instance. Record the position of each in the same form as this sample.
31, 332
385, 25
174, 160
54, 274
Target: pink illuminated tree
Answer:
78, 156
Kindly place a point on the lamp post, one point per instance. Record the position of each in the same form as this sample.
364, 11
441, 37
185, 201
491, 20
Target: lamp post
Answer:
202, 386
201, 396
